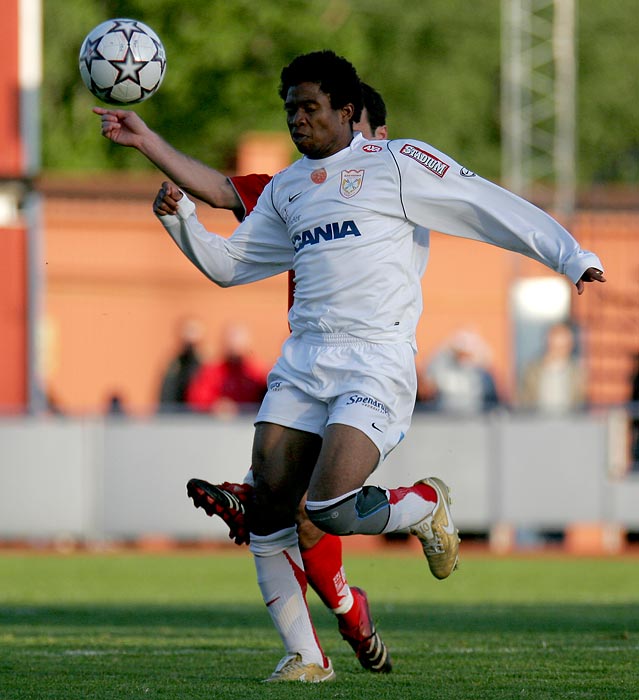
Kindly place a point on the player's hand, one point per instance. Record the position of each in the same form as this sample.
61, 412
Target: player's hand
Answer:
592, 274
122, 126
167, 199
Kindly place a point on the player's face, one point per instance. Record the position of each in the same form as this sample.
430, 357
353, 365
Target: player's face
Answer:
316, 128
364, 126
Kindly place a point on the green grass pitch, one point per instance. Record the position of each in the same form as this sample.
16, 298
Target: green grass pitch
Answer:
192, 625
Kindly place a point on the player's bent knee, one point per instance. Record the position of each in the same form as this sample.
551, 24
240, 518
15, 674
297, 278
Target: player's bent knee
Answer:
362, 512
309, 535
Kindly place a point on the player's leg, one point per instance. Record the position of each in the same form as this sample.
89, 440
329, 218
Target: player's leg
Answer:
322, 557
339, 504
373, 388
283, 459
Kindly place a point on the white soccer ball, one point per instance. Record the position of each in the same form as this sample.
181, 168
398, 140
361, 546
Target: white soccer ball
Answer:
122, 61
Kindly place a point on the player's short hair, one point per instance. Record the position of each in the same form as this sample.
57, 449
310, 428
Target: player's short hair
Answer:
375, 106
334, 74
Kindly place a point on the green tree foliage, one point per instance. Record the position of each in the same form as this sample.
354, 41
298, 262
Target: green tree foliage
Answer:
608, 95
436, 63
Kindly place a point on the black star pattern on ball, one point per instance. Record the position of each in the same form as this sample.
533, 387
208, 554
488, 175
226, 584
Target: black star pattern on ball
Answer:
91, 52
128, 68
127, 28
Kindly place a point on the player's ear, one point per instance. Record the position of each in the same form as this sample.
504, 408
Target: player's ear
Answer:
347, 112
381, 132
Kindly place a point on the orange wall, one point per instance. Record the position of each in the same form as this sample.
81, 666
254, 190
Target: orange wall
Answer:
117, 286
611, 315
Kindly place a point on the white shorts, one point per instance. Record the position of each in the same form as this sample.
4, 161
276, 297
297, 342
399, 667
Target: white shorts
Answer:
321, 379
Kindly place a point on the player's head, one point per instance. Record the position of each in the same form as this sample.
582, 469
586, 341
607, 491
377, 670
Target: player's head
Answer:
322, 98
372, 123
335, 75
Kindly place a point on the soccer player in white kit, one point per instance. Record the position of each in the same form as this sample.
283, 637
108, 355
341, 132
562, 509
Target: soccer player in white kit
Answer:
321, 552
342, 392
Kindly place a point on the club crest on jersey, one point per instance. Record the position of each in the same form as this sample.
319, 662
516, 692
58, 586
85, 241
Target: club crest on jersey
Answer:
351, 182
371, 148
318, 176
428, 160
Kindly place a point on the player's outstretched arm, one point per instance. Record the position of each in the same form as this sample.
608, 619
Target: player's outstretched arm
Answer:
592, 274
127, 128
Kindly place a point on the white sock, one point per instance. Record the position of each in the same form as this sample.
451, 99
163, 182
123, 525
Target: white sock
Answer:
281, 577
406, 508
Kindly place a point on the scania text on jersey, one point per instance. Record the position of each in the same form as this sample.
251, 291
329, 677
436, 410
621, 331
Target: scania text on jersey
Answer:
329, 232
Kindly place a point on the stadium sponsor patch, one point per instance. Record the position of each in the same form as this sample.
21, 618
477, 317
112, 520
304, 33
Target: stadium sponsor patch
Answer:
428, 160
351, 182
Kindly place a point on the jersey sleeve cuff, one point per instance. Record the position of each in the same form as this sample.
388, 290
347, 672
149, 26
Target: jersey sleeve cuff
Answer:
576, 267
185, 207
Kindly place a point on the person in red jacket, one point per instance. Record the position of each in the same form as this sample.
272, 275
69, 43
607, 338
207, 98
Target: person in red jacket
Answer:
234, 383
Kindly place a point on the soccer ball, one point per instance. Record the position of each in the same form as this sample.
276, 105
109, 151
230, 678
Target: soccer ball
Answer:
122, 61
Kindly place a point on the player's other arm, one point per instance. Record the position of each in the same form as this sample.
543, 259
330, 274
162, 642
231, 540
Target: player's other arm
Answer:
127, 128
258, 248
439, 194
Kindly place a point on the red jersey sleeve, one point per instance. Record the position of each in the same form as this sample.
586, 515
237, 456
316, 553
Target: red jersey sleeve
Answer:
249, 188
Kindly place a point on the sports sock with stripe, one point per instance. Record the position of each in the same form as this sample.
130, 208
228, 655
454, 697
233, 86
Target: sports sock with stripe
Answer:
282, 581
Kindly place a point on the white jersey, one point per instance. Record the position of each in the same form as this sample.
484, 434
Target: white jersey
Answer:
351, 226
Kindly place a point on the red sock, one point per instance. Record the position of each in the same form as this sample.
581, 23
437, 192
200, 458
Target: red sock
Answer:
325, 573
427, 492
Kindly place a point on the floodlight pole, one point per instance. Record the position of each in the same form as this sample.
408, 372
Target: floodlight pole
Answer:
565, 108
538, 115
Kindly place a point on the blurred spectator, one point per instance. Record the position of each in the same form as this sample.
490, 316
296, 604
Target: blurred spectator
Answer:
52, 405
115, 405
233, 383
457, 379
555, 382
182, 367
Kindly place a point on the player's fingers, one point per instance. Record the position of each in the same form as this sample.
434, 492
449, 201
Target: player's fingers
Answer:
592, 274
163, 207
158, 203
171, 190
110, 130
109, 124
166, 201
597, 276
